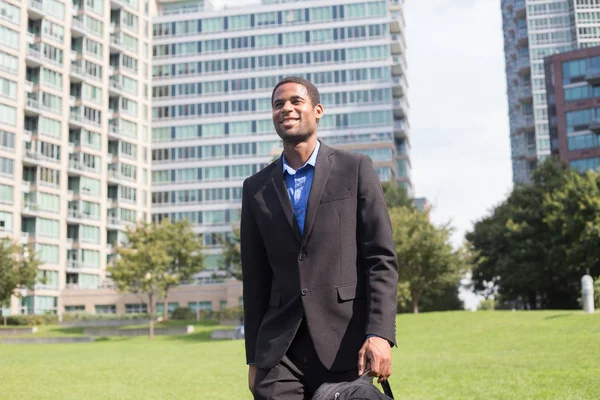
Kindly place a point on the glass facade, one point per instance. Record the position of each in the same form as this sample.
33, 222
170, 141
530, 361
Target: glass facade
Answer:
534, 30
213, 75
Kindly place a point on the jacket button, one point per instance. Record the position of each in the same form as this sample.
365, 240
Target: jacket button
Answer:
301, 256
304, 292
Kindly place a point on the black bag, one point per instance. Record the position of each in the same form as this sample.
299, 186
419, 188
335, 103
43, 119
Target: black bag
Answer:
360, 389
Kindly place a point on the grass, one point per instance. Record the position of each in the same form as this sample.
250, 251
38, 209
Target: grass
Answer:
458, 355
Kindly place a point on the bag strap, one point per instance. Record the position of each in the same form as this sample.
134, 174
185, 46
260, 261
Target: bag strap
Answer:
385, 385
387, 389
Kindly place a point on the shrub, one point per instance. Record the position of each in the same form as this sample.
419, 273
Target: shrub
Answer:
183, 314
32, 320
486, 305
83, 316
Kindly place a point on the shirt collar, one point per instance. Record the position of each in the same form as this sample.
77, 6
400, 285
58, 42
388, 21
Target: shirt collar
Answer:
312, 161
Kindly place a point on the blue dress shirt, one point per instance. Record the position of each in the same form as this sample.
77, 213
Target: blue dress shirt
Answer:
298, 184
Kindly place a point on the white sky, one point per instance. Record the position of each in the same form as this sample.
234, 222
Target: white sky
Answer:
459, 114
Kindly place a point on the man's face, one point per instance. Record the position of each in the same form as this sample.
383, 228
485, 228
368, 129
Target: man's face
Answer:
294, 116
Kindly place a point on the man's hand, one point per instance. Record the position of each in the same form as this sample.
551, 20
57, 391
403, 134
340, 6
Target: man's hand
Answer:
251, 377
376, 354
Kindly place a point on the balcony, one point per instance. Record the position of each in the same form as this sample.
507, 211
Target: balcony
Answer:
24, 237
30, 208
77, 74
29, 37
34, 56
592, 76
116, 44
397, 24
524, 93
76, 265
595, 125
397, 44
522, 37
36, 9
398, 65
527, 123
33, 157
116, 4
399, 86
400, 107
400, 128
116, 88
77, 28
520, 9
76, 166
115, 223
523, 64
78, 120
32, 106
117, 177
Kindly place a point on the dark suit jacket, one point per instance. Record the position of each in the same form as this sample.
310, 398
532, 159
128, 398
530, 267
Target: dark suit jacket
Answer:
341, 274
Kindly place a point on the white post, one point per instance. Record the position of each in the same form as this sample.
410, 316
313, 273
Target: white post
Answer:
587, 294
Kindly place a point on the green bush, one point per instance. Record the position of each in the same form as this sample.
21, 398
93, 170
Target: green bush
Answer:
486, 305
32, 320
183, 314
83, 316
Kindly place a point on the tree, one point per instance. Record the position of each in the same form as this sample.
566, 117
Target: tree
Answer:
156, 258
426, 259
232, 258
536, 245
18, 270
396, 196
185, 249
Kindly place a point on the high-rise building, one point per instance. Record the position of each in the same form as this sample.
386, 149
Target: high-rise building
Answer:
213, 73
533, 30
74, 135
573, 87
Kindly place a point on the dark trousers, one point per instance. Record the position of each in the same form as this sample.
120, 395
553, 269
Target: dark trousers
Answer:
299, 374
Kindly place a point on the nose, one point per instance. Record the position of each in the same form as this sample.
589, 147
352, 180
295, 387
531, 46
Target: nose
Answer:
287, 107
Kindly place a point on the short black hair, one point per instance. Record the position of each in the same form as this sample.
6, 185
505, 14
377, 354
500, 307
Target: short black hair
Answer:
313, 92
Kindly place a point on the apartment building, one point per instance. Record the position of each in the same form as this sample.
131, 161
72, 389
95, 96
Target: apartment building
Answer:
75, 108
573, 87
212, 76
533, 30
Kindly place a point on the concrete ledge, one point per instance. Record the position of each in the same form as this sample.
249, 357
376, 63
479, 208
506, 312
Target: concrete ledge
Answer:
18, 331
223, 334
47, 340
175, 330
103, 322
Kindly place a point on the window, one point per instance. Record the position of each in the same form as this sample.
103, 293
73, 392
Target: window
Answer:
212, 25
47, 253
7, 140
237, 22
6, 221
263, 41
8, 115
8, 37
8, 62
6, 194
321, 14
135, 308
6, 166
10, 12
106, 309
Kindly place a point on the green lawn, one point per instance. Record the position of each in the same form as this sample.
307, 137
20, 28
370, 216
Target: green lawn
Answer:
460, 355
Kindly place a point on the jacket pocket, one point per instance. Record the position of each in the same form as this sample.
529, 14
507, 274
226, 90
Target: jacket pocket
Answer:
275, 299
328, 198
351, 292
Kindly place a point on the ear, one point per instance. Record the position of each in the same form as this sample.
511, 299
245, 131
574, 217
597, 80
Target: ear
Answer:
319, 111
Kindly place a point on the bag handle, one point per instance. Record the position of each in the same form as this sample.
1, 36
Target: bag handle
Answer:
385, 385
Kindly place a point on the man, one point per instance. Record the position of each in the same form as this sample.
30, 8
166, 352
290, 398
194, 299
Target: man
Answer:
318, 260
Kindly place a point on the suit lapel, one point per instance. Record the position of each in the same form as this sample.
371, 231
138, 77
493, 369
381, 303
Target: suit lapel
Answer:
322, 170
284, 199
